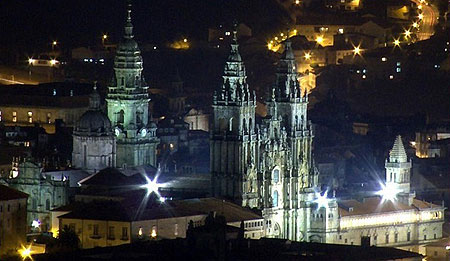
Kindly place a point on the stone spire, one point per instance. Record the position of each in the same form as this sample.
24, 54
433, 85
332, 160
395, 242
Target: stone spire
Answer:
234, 87
128, 25
287, 84
398, 153
94, 99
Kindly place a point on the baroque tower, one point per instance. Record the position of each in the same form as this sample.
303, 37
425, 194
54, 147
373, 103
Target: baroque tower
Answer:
398, 172
290, 179
127, 102
269, 165
232, 134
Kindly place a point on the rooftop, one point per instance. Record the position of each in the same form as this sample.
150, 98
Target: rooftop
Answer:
374, 205
7, 193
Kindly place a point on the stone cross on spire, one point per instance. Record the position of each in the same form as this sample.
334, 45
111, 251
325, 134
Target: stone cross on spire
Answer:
128, 24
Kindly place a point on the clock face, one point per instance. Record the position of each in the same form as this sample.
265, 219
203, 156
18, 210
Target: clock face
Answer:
117, 131
143, 132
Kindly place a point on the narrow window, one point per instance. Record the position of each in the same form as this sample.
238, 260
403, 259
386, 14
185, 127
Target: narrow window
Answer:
275, 199
408, 236
387, 239
124, 233
111, 233
95, 233
47, 204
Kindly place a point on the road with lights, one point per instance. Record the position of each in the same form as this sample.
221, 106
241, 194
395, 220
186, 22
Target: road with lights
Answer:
428, 21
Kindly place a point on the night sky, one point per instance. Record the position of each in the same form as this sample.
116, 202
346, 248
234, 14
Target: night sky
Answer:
35, 23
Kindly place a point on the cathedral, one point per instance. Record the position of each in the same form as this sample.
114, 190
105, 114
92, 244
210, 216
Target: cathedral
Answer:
124, 137
269, 166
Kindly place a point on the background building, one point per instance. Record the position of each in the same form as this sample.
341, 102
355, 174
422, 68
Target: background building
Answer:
13, 219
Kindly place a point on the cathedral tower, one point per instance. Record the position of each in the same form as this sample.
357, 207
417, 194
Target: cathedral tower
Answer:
233, 133
290, 178
398, 172
127, 103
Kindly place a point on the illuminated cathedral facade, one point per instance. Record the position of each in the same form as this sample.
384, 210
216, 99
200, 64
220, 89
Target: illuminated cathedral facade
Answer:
269, 166
124, 137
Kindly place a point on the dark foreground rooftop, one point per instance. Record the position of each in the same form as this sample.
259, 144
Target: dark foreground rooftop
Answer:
264, 249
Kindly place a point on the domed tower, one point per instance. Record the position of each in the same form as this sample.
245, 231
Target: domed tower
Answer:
127, 103
94, 145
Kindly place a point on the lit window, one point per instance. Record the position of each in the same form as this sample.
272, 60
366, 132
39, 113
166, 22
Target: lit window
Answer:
0, 115
176, 230
14, 114
398, 69
153, 234
276, 175
383, 59
341, 30
140, 233
399, 63
391, 77
227, 33
275, 199
49, 117
30, 117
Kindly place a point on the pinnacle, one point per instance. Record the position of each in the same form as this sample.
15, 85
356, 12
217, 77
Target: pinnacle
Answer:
398, 153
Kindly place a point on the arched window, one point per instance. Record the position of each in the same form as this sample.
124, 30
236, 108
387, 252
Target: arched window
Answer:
276, 175
250, 125
139, 117
244, 125
230, 125
47, 204
120, 117
275, 199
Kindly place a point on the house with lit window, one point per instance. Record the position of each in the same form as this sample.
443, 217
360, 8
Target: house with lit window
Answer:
115, 222
42, 105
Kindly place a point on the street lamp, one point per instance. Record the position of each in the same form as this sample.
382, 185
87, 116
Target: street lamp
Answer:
307, 56
407, 33
104, 38
357, 50
396, 42
319, 39
54, 43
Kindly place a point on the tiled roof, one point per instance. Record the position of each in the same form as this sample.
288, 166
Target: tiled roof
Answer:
182, 208
374, 205
7, 193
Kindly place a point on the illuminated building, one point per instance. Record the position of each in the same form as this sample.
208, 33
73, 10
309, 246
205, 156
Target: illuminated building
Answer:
266, 166
269, 166
13, 219
94, 144
45, 193
127, 104
394, 219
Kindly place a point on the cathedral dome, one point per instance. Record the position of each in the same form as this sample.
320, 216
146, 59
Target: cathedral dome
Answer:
95, 123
